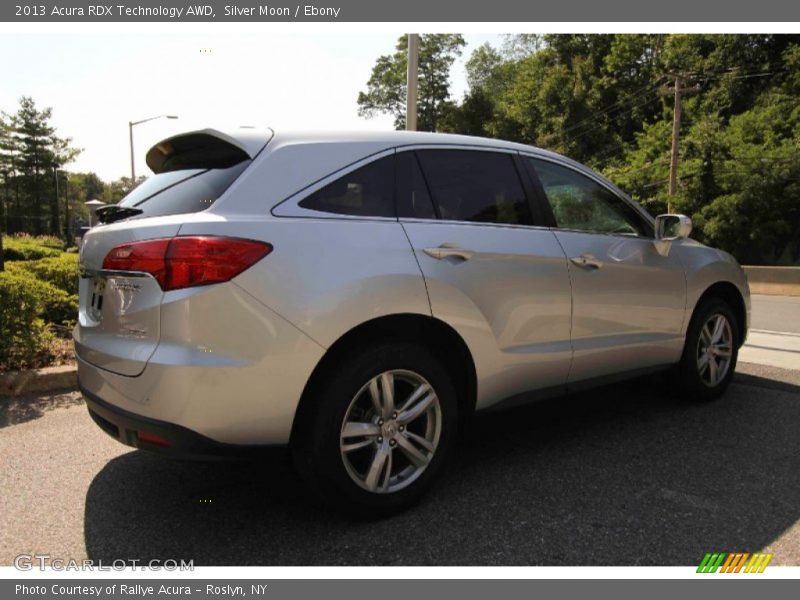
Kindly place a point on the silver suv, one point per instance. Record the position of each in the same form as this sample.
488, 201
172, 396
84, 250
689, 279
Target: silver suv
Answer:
358, 296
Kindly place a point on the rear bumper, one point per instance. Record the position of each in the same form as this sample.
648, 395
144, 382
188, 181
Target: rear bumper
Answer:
180, 442
233, 376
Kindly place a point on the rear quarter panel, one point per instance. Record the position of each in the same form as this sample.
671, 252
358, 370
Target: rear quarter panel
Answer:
326, 276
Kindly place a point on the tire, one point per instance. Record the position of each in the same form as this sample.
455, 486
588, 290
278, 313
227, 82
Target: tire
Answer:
703, 375
343, 443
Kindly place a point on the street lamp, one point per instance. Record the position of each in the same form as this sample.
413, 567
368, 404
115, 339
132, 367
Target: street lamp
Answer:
130, 131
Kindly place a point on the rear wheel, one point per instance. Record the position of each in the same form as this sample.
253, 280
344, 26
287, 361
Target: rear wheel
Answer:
712, 348
378, 430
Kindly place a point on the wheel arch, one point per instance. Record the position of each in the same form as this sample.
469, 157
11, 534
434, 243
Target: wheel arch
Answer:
729, 292
431, 332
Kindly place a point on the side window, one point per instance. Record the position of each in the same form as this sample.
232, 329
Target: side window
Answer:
468, 185
365, 192
413, 199
580, 203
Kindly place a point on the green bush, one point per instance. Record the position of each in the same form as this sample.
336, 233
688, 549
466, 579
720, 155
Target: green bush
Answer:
57, 306
60, 307
49, 241
24, 336
61, 271
26, 247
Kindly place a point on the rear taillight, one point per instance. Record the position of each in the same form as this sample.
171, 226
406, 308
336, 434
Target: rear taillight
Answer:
187, 261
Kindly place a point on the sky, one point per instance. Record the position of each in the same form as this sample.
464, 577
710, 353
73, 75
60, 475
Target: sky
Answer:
97, 82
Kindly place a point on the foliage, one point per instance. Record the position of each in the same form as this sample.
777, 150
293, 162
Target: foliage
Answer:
28, 247
57, 306
31, 155
24, 336
387, 90
60, 271
38, 299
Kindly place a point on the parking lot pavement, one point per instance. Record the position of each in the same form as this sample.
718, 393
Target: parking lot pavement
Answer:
625, 475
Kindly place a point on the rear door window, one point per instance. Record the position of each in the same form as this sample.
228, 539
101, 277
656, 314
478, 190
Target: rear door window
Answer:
366, 192
469, 185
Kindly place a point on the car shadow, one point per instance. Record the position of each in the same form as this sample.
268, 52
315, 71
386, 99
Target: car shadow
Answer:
21, 409
623, 475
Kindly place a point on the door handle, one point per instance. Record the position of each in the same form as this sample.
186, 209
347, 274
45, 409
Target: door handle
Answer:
586, 261
448, 250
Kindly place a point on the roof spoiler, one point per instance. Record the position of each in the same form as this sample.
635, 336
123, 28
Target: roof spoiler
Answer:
205, 149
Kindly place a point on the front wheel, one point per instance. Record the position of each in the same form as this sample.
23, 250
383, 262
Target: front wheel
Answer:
378, 429
711, 350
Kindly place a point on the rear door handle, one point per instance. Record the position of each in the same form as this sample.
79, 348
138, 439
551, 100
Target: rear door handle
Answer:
586, 261
448, 250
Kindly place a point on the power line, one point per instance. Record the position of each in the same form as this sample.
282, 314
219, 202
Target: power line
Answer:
643, 91
714, 172
623, 101
586, 132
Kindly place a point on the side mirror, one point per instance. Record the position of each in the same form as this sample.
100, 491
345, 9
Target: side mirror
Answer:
670, 228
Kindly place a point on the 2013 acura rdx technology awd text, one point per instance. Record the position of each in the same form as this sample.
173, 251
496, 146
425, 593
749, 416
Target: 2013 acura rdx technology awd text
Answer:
358, 296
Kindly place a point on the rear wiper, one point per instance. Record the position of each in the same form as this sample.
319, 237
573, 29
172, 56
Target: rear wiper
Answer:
115, 212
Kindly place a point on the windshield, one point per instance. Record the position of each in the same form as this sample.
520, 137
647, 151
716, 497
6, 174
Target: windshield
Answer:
183, 191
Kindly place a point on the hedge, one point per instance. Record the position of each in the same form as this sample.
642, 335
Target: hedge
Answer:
61, 271
24, 335
26, 247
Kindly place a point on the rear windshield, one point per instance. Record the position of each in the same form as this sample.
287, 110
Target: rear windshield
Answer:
182, 191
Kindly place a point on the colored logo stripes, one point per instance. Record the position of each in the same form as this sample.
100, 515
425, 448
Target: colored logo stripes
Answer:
734, 562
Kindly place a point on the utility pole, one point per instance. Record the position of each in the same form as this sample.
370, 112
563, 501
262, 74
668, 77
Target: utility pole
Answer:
676, 132
412, 80
677, 113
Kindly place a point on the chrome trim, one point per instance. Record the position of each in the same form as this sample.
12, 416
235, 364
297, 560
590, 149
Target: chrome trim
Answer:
89, 273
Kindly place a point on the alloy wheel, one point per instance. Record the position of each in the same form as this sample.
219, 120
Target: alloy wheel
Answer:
714, 350
390, 431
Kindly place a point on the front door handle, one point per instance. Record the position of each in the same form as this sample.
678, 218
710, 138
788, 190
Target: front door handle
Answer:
448, 250
586, 261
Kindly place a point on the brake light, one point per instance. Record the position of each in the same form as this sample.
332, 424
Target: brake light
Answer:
187, 261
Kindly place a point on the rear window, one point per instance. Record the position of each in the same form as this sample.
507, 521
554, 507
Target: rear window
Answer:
182, 191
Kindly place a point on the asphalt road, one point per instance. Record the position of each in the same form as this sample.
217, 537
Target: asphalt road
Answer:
775, 313
627, 475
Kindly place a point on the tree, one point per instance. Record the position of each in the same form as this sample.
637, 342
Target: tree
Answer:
6, 169
116, 190
740, 146
30, 155
36, 157
386, 88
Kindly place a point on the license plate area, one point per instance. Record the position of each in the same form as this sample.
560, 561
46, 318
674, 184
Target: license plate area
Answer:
98, 288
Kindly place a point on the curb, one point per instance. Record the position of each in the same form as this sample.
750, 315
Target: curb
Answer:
773, 281
35, 381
